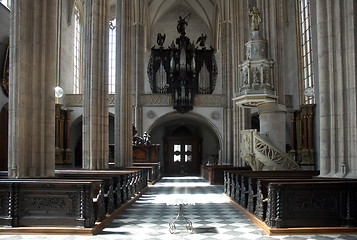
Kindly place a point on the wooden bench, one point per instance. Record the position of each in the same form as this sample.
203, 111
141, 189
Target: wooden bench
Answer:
237, 186
313, 204
121, 181
49, 202
110, 199
155, 172
152, 175
138, 177
295, 199
215, 173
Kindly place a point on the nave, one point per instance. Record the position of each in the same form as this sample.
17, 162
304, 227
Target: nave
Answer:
212, 216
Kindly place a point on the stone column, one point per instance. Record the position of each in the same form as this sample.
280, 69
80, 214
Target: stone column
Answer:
240, 37
95, 85
336, 28
227, 76
123, 86
33, 27
139, 68
273, 124
273, 26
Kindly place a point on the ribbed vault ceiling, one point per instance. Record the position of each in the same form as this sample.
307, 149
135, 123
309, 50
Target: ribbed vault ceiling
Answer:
205, 9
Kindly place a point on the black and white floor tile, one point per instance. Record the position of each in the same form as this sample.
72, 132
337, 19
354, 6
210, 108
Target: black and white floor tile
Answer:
211, 215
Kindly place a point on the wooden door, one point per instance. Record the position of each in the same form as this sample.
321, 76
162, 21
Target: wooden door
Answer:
182, 155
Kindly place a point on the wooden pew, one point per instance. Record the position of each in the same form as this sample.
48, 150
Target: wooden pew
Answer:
262, 185
121, 181
49, 202
155, 172
215, 173
137, 177
109, 202
313, 204
152, 175
253, 182
238, 186
230, 181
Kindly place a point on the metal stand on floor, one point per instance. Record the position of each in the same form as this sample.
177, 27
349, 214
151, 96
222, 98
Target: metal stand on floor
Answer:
172, 226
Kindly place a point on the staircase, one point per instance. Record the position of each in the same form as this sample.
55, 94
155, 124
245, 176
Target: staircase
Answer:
260, 154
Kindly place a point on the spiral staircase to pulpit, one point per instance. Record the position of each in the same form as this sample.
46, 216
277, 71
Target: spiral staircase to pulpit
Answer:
257, 91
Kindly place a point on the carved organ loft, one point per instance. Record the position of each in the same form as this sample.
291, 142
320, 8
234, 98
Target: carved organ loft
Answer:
183, 69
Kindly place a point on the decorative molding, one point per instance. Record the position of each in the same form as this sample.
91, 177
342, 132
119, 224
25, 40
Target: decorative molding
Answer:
162, 100
76, 100
215, 115
151, 114
210, 100
158, 100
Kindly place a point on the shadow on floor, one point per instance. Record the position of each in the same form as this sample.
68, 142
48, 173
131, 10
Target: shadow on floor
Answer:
205, 230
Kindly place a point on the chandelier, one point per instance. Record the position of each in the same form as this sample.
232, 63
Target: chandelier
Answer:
183, 69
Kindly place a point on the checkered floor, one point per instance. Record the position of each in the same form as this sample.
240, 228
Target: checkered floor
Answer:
211, 215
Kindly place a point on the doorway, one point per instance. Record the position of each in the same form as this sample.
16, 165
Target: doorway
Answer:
186, 129
183, 155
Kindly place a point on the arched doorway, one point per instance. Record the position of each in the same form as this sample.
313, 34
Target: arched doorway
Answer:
193, 133
183, 152
4, 128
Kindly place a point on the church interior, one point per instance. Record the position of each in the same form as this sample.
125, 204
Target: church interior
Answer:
239, 113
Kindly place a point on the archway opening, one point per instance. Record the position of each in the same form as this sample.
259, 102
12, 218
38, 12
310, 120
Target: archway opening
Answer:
187, 141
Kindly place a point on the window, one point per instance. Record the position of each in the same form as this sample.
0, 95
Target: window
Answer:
306, 77
6, 3
112, 52
77, 52
177, 153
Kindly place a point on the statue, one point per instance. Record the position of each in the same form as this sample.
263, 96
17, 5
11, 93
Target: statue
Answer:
202, 40
181, 25
160, 39
256, 75
146, 138
256, 20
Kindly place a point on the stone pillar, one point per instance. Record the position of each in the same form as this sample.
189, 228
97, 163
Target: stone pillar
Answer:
273, 124
273, 14
336, 39
139, 68
123, 86
33, 27
240, 37
227, 79
95, 85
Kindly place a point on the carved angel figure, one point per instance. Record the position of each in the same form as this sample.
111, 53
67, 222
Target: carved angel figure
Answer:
202, 40
160, 39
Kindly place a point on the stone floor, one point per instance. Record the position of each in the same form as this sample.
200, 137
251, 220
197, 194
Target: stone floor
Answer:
211, 215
